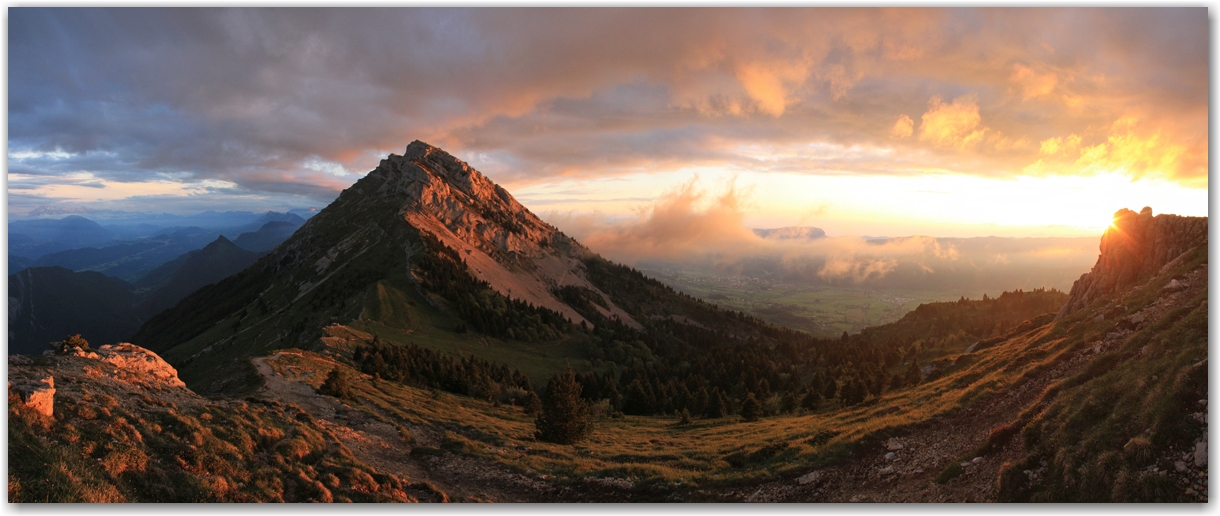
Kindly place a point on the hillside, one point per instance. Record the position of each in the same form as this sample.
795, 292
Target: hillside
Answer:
216, 261
47, 304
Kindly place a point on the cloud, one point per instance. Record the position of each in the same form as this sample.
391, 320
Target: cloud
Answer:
952, 125
692, 228
903, 127
281, 102
1032, 84
1125, 146
855, 269
679, 224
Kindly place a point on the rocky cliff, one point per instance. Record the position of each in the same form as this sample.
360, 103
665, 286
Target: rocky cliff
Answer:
1133, 249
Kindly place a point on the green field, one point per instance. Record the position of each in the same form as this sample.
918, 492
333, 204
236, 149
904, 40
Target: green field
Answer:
825, 311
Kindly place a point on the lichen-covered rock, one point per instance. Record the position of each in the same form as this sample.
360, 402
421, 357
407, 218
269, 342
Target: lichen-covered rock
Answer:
139, 362
1133, 249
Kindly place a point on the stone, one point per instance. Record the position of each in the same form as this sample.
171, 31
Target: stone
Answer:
1201, 454
38, 395
809, 478
889, 456
888, 470
145, 363
965, 464
893, 444
1180, 466
1174, 286
977, 460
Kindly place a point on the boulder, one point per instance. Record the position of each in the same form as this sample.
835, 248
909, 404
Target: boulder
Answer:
1174, 286
37, 394
809, 478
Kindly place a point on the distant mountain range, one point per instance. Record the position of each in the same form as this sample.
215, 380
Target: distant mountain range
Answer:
129, 280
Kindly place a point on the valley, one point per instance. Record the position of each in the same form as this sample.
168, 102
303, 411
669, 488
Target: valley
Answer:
824, 311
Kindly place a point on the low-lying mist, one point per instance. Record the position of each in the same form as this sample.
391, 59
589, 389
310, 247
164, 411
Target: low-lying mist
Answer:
689, 229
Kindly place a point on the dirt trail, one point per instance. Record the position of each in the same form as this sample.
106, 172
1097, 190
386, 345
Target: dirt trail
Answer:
380, 445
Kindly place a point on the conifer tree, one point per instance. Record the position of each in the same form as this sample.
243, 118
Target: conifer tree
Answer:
812, 400
565, 415
914, 375
751, 409
717, 407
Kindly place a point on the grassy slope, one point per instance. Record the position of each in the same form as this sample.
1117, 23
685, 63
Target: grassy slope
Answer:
397, 311
1130, 410
658, 451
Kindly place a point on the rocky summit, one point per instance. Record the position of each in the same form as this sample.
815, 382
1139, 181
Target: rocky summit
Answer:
1134, 248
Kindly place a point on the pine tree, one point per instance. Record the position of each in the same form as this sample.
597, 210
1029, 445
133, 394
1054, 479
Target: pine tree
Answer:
914, 375
789, 403
812, 400
565, 415
717, 407
751, 409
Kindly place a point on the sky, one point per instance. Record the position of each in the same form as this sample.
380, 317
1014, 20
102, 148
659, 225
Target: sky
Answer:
944, 122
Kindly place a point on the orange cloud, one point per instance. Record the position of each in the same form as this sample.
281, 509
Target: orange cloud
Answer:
1031, 83
1125, 147
952, 125
903, 127
768, 83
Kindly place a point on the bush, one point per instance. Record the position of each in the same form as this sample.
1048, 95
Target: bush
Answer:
949, 473
71, 344
337, 384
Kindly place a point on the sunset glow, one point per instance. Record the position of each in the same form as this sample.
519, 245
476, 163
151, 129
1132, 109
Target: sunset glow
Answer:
949, 122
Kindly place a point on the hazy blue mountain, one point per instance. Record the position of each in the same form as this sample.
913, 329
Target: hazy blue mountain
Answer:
267, 237
216, 261
42, 236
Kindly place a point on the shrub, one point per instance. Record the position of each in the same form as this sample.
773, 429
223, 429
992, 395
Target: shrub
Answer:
337, 384
949, 473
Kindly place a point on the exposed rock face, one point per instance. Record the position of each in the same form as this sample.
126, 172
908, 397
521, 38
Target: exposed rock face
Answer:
37, 394
140, 364
501, 241
1133, 249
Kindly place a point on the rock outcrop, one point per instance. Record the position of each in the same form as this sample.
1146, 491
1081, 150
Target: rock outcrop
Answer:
135, 362
37, 393
1133, 249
